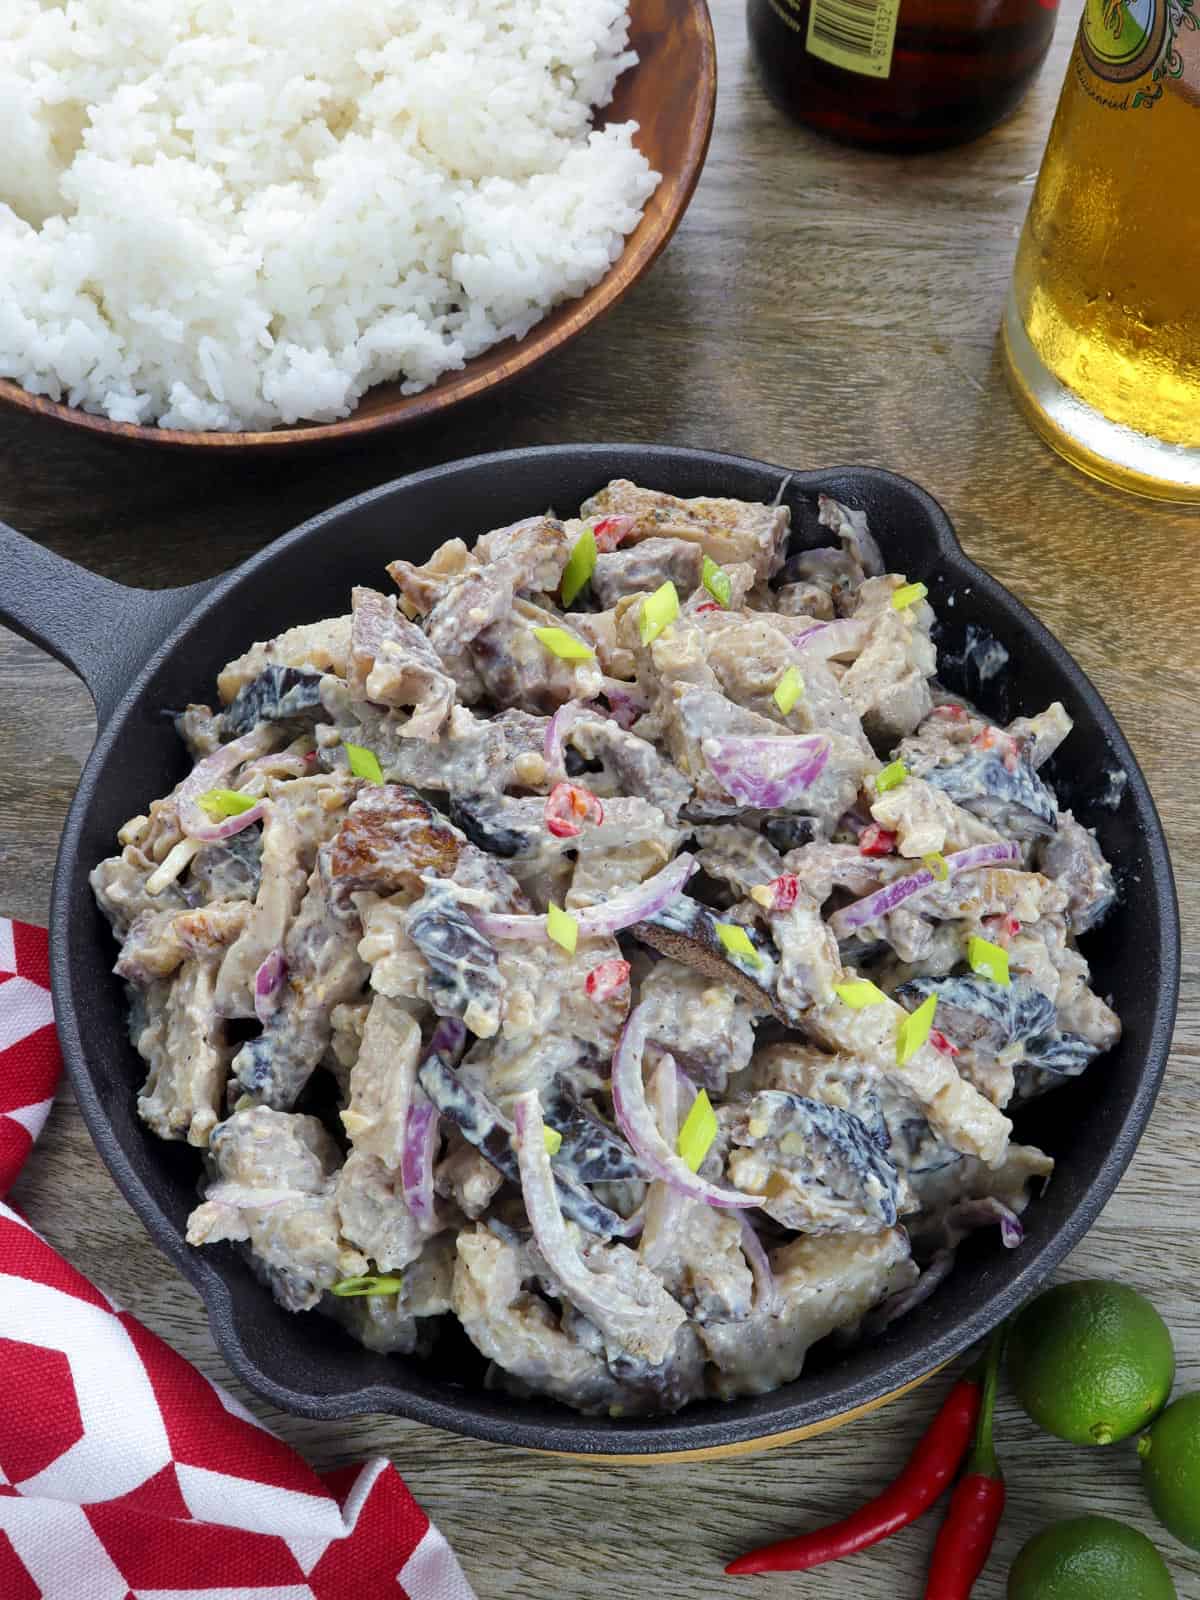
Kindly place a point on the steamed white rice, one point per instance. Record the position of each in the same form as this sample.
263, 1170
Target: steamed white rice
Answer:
236, 213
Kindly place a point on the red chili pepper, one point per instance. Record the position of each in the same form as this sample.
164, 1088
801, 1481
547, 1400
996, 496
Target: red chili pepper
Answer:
709, 605
1002, 927
940, 1042
876, 841
954, 712
784, 891
928, 1471
604, 981
976, 1506
568, 805
609, 531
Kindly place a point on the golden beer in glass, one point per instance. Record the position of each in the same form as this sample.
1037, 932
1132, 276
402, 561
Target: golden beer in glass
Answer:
1102, 327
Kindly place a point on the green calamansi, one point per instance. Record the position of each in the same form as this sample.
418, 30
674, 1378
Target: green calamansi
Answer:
1090, 1558
1091, 1362
1170, 1455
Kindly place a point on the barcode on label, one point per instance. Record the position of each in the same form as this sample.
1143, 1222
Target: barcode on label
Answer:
855, 34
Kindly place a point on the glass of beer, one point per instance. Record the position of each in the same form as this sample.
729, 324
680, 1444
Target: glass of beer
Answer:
1102, 328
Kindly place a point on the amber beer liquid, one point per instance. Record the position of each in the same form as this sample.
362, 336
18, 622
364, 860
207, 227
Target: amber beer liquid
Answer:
1102, 329
899, 74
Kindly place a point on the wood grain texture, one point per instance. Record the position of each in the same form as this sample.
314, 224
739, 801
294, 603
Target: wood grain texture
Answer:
817, 306
670, 94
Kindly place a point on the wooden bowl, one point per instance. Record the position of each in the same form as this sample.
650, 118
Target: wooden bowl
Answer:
671, 95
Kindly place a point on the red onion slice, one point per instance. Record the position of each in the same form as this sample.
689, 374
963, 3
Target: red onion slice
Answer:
596, 1294
984, 1213
207, 774
560, 724
268, 984
766, 773
765, 1296
627, 704
610, 916
416, 1161
846, 637
873, 906
665, 1204
905, 1300
637, 1123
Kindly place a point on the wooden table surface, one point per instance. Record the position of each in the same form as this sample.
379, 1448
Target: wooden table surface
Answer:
818, 306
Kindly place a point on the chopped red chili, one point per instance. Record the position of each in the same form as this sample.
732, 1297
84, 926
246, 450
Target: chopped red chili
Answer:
1002, 927
976, 1506
568, 806
607, 979
609, 531
956, 713
940, 1042
784, 891
709, 605
876, 841
929, 1470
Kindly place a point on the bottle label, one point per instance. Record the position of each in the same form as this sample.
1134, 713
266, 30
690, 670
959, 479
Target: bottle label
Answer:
855, 34
1123, 40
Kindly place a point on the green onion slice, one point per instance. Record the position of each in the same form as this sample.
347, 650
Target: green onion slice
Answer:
367, 1285
859, 994
891, 777
738, 942
364, 763
562, 928
552, 1139
221, 803
914, 1030
698, 1131
581, 563
908, 595
988, 960
716, 580
938, 865
788, 690
564, 645
659, 611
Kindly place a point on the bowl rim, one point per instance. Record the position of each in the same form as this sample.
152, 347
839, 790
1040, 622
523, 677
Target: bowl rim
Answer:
685, 1434
492, 367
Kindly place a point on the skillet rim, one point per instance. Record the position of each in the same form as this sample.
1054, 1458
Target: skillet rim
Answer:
744, 1422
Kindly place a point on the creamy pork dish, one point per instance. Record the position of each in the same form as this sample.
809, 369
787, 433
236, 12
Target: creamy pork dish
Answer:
613, 936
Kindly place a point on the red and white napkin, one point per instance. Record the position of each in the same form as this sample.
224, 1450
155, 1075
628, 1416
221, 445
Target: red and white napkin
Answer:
124, 1473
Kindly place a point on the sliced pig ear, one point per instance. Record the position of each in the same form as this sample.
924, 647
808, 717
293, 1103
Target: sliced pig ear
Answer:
485, 1126
828, 1149
464, 968
278, 694
1012, 798
688, 932
1065, 1054
979, 1014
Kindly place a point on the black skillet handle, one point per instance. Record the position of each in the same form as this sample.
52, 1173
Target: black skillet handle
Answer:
103, 631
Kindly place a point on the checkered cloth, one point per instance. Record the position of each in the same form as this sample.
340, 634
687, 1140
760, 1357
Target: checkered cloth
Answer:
124, 1473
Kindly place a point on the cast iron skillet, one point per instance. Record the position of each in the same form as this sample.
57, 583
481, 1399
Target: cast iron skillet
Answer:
141, 652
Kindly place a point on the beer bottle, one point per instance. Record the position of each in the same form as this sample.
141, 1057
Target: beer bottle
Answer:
900, 74
1102, 329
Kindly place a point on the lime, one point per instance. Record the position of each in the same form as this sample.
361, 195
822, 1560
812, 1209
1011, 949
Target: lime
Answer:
1090, 1558
1091, 1362
1170, 1455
